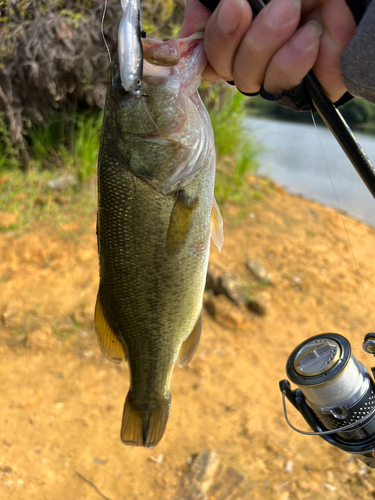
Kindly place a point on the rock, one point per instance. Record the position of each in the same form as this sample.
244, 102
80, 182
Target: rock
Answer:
229, 287
62, 182
329, 487
87, 354
191, 492
224, 283
99, 461
297, 282
8, 313
208, 477
225, 313
40, 339
7, 220
259, 271
6, 469
214, 272
159, 459
11, 319
289, 466
363, 471
259, 304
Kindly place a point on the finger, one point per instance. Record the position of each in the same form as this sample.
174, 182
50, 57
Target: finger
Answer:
339, 28
195, 19
327, 67
224, 32
294, 60
210, 75
269, 31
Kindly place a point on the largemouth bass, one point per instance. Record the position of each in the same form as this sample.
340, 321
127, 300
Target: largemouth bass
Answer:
156, 213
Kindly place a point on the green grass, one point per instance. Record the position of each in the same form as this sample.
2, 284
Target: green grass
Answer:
86, 142
27, 196
237, 152
69, 141
66, 144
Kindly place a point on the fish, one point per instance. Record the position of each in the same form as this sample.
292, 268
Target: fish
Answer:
156, 214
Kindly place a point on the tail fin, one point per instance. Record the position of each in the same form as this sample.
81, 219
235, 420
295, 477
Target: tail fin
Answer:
144, 428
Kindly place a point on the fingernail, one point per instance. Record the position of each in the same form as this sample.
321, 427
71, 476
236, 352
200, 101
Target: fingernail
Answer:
307, 36
230, 15
282, 12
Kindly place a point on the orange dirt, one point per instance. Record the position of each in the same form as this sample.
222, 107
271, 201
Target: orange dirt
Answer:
61, 401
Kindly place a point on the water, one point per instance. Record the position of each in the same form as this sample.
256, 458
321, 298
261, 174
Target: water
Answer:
292, 156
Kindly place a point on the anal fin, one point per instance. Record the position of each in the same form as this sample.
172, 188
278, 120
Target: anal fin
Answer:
190, 345
107, 340
144, 428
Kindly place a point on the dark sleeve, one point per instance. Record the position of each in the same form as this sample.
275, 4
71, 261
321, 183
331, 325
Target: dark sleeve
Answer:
358, 60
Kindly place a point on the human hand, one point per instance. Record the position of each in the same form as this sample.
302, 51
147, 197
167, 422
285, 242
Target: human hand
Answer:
278, 47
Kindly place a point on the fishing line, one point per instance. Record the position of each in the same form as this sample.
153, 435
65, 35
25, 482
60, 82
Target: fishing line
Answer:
343, 221
102, 31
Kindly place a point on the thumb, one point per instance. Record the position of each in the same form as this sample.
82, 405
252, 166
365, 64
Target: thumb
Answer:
196, 17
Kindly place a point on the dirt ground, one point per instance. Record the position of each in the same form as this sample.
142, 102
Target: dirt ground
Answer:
61, 401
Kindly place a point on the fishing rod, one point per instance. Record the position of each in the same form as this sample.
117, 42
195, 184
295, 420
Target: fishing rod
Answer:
329, 114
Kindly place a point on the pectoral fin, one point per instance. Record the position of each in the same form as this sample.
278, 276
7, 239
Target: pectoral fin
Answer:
190, 345
180, 221
107, 340
217, 233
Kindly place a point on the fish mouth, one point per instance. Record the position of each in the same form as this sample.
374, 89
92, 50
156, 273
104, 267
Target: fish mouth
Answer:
184, 56
184, 59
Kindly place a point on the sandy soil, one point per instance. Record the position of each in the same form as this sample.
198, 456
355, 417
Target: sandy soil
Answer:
61, 401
